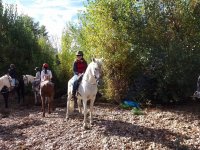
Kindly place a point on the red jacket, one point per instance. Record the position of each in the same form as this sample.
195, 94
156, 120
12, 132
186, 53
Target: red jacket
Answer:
79, 66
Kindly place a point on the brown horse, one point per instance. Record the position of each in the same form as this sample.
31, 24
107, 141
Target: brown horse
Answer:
47, 92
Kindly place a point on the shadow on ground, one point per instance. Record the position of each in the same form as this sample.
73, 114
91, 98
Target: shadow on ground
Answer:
13, 132
136, 133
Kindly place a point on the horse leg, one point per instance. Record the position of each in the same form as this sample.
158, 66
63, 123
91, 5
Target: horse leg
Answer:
43, 106
5, 95
49, 104
68, 105
79, 105
91, 110
35, 94
22, 92
85, 113
18, 95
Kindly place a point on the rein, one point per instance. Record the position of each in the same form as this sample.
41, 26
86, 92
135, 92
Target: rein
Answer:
9, 81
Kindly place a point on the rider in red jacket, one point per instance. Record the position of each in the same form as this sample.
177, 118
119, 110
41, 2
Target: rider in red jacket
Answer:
79, 68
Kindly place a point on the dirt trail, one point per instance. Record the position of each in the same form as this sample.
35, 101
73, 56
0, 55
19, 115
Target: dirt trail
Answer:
114, 128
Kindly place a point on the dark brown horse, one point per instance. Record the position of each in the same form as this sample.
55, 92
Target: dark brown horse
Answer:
47, 92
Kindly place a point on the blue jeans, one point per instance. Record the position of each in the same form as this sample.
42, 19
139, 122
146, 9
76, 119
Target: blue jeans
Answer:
13, 82
75, 82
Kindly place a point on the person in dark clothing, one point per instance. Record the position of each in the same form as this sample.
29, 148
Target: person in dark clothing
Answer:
79, 67
13, 74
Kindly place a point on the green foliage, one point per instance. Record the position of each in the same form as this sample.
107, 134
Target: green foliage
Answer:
159, 37
137, 111
124, 106
106, 34
67, 54
22, 42
155, 38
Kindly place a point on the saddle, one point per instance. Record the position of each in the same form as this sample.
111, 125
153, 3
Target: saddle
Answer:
78, 81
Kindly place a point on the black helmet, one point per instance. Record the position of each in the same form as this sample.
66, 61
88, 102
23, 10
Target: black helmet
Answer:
12, 66
37, 69
79, 53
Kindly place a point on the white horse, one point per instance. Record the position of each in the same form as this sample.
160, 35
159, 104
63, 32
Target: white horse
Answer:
29, 79
6, 80
87, 90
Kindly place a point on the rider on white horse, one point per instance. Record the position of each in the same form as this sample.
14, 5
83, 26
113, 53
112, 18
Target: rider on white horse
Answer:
46, 73
79, 67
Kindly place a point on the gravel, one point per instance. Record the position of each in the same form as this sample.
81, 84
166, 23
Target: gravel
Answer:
160, 128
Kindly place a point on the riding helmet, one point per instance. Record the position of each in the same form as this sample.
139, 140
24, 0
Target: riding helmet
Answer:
45, 65
79, 53
12, 66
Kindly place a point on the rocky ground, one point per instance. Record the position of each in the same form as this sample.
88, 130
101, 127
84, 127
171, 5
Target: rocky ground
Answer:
177, 127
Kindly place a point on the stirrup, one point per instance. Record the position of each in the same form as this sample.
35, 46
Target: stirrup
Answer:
73, 98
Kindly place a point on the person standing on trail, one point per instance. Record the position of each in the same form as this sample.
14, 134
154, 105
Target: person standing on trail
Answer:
79, 68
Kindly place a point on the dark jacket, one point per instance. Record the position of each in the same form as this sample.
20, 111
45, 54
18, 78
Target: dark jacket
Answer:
79, 66
12, 73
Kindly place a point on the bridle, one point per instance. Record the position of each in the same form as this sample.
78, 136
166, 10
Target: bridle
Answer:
96, 79
26, 78
9, 82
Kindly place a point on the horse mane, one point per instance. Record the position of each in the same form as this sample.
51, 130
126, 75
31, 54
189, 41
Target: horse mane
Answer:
3, 76
88, 70
47, 78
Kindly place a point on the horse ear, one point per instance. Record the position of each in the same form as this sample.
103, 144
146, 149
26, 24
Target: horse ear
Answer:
101, 59
93, 59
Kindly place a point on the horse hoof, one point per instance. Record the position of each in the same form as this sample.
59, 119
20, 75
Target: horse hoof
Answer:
86, 128
37, 104
66, 119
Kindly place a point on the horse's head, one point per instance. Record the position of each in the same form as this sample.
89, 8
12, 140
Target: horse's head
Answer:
28, 79
7, 80
25, 78
96, 68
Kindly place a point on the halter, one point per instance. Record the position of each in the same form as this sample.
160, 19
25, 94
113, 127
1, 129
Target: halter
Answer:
9, 82
26, 78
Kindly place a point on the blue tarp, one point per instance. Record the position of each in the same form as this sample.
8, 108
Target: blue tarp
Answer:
131, 103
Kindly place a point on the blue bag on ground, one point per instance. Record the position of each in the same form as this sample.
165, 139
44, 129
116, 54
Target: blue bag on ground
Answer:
131, 103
